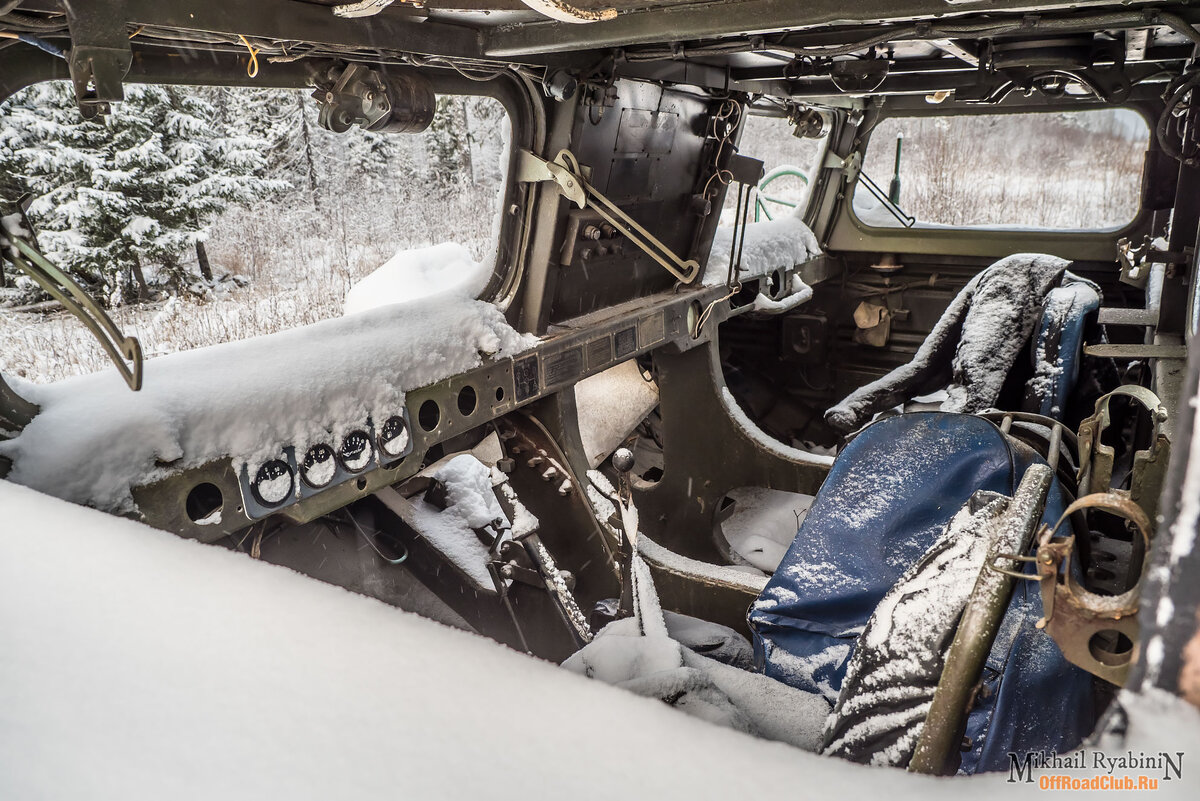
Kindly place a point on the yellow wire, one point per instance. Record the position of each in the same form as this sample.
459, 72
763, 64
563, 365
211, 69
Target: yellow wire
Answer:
252, 65
139, 30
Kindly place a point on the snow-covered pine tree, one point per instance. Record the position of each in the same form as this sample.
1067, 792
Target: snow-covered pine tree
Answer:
447, 143
212, 168
140, 186
68, 165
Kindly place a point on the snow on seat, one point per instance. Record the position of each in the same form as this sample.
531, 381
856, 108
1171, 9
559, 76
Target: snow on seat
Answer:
888, 499
975, 344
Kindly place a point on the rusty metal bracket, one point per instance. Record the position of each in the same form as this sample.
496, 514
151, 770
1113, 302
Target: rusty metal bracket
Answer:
1088, 627
534, 169
1149, 465
1136, 260
565, 12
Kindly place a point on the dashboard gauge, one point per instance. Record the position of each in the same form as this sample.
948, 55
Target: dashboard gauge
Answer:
394, 437
319, 466
356, 452
273, 483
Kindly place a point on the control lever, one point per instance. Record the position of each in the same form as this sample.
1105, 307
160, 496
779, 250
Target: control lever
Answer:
565, 171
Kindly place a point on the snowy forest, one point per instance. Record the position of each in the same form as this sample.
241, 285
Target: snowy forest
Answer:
200, 215
1073, 170
205, 215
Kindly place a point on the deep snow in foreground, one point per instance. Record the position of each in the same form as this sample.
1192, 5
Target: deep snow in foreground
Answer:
141, 666
94, 438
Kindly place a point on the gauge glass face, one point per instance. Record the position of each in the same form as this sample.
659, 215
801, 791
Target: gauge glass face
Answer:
393, 437
319, 466
273, 483
356, 452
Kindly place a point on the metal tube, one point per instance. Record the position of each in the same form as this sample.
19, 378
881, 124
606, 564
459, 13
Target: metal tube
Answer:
941, 734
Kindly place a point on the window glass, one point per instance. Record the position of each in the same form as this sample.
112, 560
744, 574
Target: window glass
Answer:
1069, 170
790, 162
204, 215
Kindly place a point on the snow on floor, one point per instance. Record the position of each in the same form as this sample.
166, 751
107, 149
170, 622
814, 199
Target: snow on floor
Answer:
643, 655
420, 273
660, 667
764, 523
471, 504
94, 438
611, 404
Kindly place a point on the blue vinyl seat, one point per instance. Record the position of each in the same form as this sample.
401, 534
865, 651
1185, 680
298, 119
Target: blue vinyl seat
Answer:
889, 495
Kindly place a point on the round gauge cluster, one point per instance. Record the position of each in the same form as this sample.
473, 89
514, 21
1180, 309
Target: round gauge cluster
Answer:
274, 483
356, 452
394, 437
324, 464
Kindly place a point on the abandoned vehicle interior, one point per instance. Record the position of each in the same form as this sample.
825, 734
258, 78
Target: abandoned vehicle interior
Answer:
845, 347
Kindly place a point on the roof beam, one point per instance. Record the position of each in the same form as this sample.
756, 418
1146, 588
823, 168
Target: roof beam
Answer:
713, 20
293, 21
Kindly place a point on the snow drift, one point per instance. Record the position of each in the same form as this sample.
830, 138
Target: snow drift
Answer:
417, 274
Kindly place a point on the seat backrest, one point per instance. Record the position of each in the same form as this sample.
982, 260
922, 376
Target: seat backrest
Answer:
1058, 345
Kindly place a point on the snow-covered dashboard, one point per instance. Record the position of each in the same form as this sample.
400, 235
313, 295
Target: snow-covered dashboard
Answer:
303, 422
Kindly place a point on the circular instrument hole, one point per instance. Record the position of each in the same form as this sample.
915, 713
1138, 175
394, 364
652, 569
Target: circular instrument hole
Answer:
203, 501
393, 436
429, 415
1110, 647
499, 394
467, 400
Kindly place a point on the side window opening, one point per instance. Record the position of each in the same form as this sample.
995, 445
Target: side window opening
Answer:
1077, 170
201, 215
790, 163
